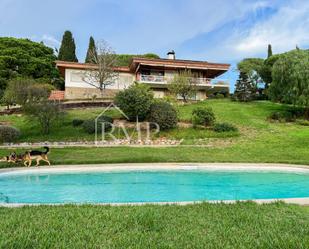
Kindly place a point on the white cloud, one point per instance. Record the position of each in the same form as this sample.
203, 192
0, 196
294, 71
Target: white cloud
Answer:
50, 41
288, 27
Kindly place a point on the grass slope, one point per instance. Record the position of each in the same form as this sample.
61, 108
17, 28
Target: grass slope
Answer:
241, 225
259, 140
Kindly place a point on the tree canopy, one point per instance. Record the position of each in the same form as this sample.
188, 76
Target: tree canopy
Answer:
290, 78
184, 85
269, 51
91, 49
125, 59
244, 88
25, 58
67, 48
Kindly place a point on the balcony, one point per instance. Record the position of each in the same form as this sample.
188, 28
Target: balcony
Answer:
158, 79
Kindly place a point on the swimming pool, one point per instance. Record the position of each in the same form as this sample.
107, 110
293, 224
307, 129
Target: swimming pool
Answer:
141, 185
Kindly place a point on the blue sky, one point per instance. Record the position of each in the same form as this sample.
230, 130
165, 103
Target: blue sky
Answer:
217, 31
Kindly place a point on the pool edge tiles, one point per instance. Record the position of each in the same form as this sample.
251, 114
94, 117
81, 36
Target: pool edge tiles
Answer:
159, 166
297, 199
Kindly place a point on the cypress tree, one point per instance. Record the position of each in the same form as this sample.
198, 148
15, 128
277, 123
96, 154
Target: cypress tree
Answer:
67, 48
270, 52
91, 47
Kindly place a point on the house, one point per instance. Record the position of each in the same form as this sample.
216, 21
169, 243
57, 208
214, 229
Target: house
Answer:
154, 72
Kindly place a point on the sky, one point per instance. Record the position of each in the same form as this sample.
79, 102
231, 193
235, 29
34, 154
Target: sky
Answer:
217, 31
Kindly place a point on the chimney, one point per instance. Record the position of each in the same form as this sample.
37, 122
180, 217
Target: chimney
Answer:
171, 55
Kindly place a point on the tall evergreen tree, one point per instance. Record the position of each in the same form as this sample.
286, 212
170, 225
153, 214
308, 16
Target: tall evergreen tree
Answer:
67, 49
91, 49
244, 88
270, 52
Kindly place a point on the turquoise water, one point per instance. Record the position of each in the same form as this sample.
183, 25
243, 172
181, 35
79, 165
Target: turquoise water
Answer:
150, 186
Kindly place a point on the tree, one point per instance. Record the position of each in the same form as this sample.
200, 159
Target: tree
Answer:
253, 68
103, 73
244, 88
23, 90
135, 101
67, 48
91, 47
266, 70
269, 52
183, 84
125, 59
291, 79
27, 59
46, 112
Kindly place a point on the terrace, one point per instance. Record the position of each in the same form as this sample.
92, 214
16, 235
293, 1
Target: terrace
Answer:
160, 79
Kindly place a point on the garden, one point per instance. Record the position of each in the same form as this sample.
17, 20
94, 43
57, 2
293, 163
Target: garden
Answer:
255, 125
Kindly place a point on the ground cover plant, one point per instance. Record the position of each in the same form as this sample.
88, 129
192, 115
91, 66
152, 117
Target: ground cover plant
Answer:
241, 225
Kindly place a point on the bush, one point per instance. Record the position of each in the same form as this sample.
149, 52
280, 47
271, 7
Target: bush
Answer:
21, 91
48, 113
104, 118
219, 96
303, 122
89, 125
135, 101
8, 134
203, 116
164, 114
286, 116
77, 122
224, 127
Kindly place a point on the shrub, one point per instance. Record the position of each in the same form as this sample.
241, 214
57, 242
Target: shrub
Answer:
203, 116
135, 101
89, 125
275, 116
46, 112
224, 127
8, 134
21, 91
286, 116
219, 96
164, 114
303, 122
77, 122
104, 118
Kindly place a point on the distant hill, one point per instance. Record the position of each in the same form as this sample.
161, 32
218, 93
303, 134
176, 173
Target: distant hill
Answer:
125, 59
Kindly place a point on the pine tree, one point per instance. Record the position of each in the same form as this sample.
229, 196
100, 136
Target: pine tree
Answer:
91, 49
244, 88
67, 48
270, 52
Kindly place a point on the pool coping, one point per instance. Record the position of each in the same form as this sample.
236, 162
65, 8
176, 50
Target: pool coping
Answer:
162, 166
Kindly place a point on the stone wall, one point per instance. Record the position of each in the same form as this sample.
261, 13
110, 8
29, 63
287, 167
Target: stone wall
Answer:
88, 93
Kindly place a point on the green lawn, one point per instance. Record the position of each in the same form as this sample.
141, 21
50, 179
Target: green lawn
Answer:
258, 141
241, 225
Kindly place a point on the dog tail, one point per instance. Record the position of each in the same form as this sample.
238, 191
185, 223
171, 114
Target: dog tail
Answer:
47, 149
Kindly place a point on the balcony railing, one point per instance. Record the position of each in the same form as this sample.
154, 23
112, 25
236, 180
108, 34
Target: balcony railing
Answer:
199, 81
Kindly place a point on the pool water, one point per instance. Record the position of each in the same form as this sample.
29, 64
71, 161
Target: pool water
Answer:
151, 186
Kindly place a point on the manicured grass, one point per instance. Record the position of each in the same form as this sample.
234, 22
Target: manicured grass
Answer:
258, 140
241, 225
251, 115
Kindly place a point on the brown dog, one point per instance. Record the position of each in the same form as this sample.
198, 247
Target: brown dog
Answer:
27, 157
14, 158
36, 155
